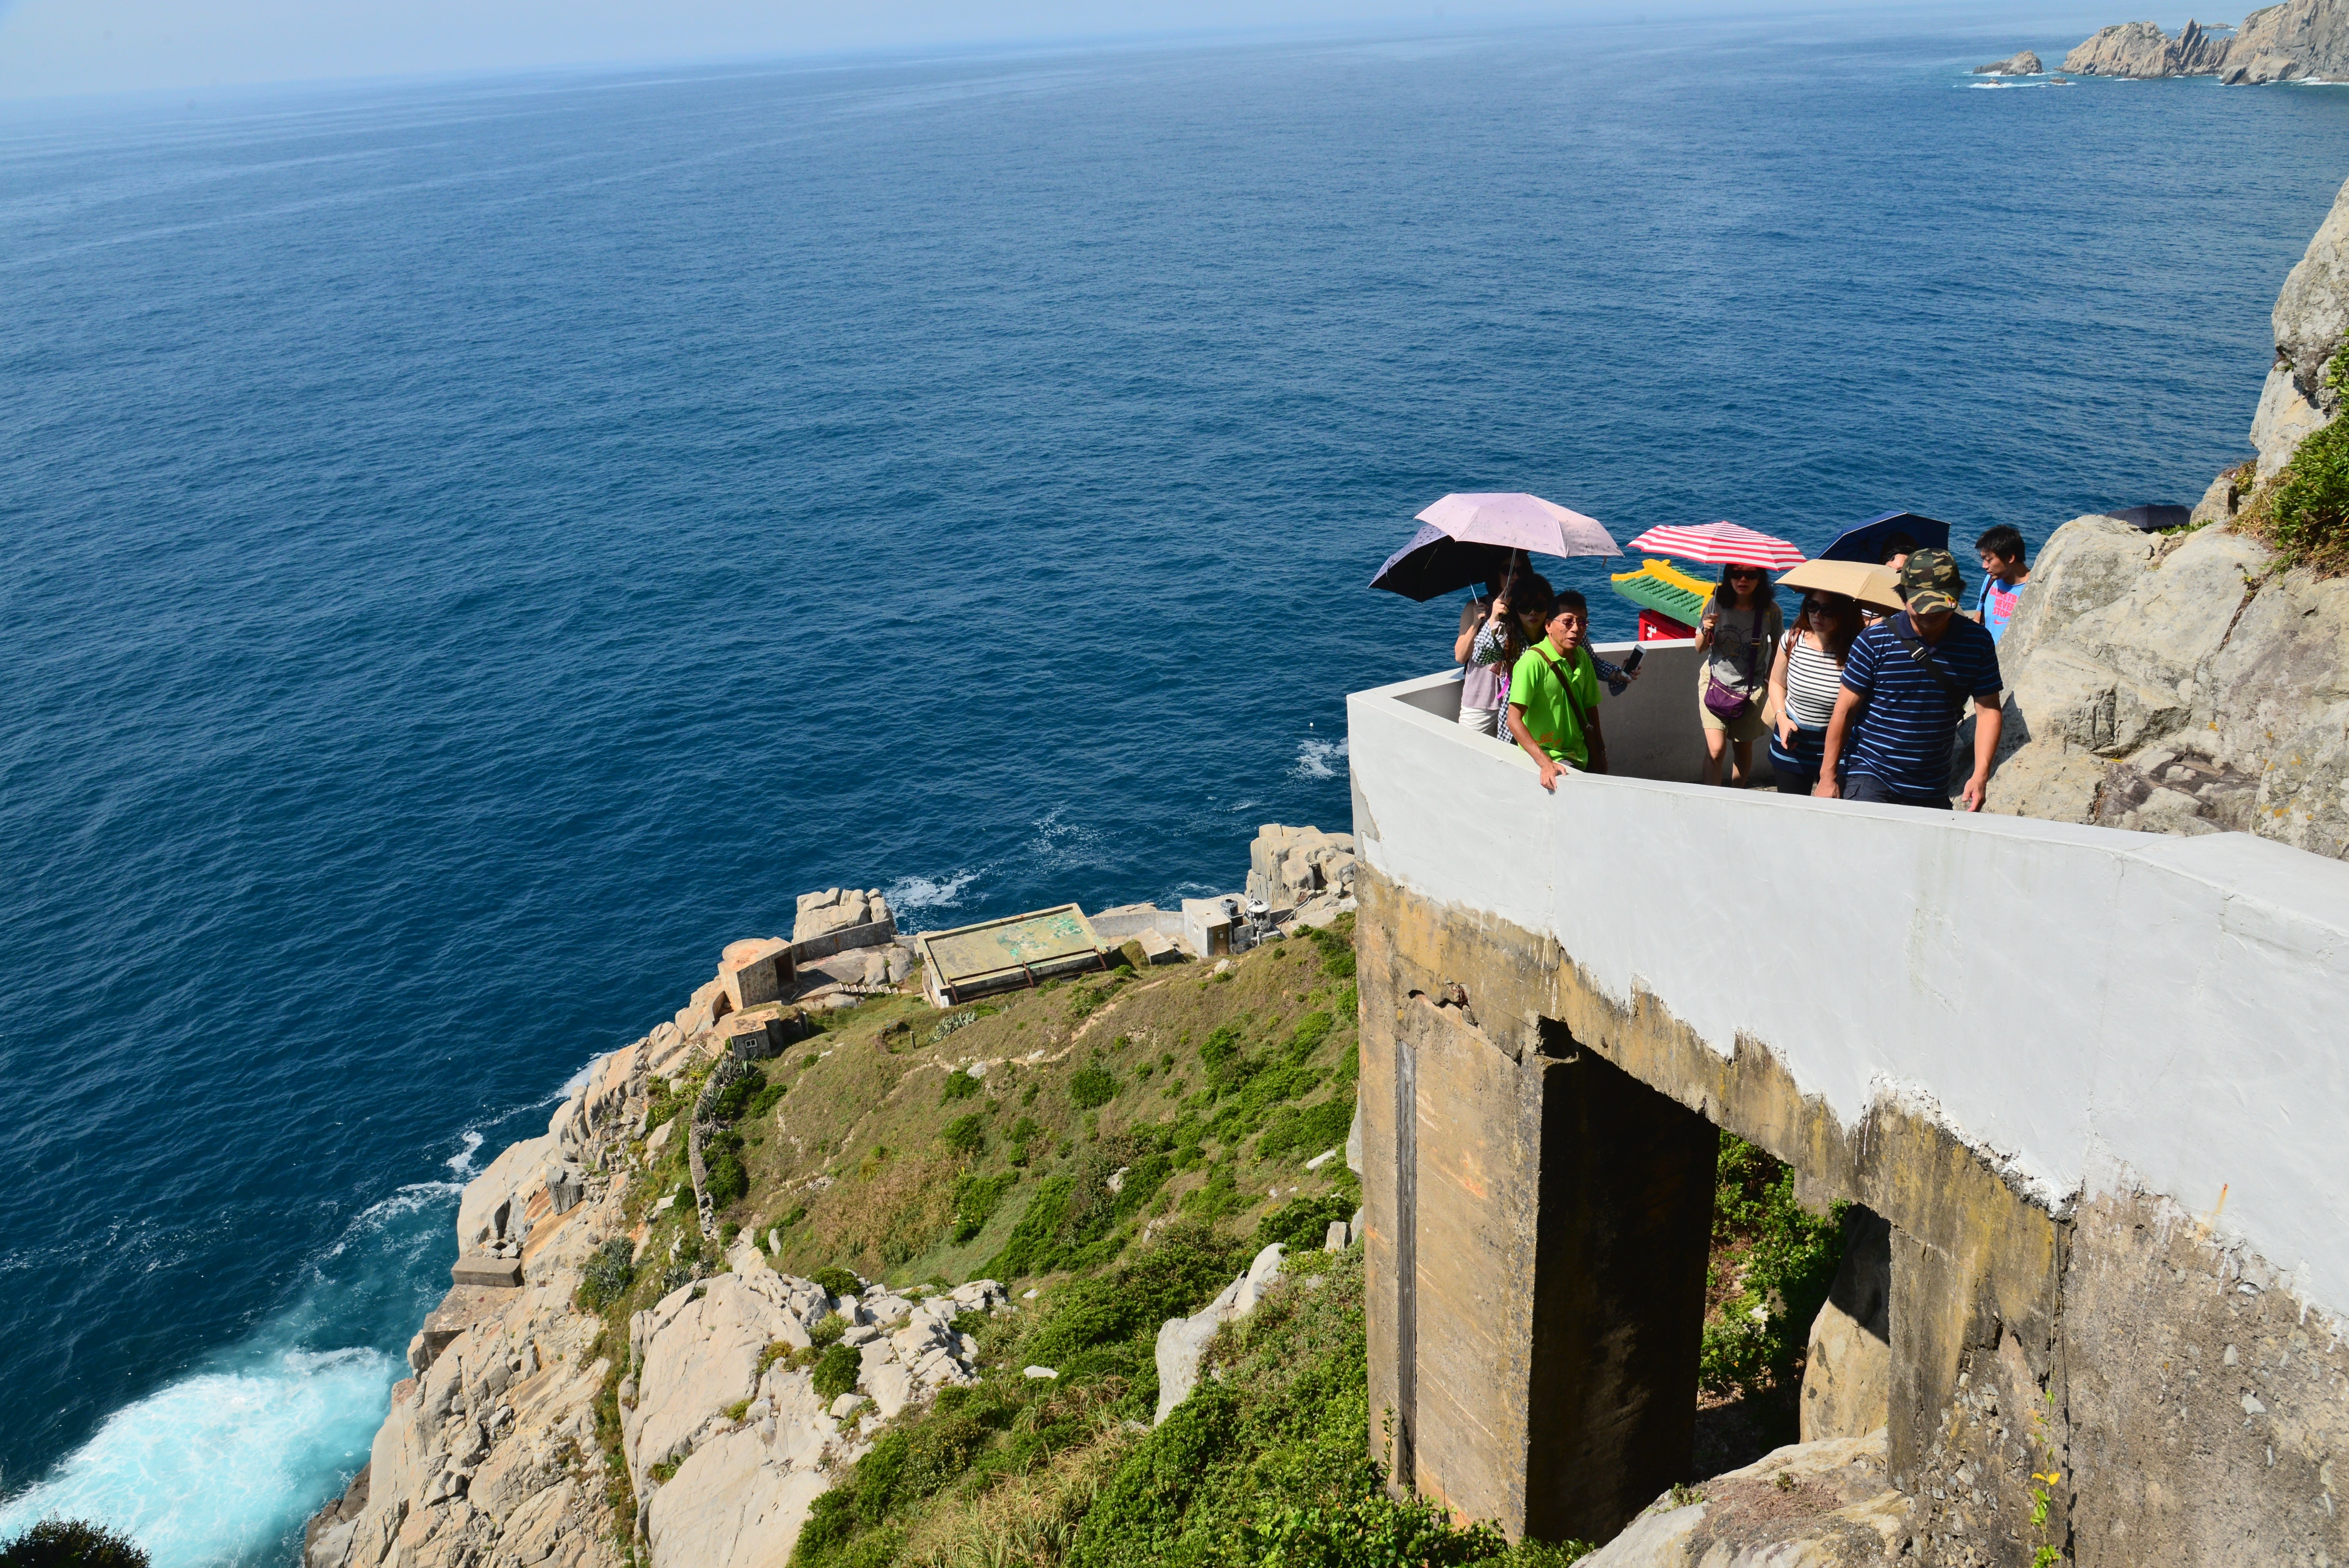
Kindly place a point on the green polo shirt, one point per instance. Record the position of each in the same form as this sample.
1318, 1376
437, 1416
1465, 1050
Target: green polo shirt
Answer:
1534, 685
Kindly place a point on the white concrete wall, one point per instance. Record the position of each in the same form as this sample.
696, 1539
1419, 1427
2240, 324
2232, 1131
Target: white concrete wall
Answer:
2083, 1004
1653, 730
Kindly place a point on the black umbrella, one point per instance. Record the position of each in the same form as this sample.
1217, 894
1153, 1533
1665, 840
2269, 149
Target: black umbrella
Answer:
1867, 542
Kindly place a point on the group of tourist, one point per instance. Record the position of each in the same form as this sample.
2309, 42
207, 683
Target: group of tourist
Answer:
1857, 703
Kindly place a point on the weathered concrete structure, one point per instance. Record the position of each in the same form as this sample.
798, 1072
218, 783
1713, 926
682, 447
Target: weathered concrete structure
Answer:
2087, 1079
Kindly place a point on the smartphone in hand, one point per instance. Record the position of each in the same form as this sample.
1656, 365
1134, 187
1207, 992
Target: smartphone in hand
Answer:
1633, 662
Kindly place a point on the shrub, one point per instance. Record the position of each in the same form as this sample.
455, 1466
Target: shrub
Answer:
1092, 1087
1305, 1133
72, 1543
1788, 1256
1304, 1222
1310, 1031
837, 1372
959, 1085
765, 1099
827, 1331
838, 1281
1137, 1521
610, 1270
975, 1201
729, 1182
1337, 950
1368, 1529
966, 1134
1030, 1248
735, 1098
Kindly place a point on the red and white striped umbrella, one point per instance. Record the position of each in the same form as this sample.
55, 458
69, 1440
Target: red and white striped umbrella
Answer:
1722, 544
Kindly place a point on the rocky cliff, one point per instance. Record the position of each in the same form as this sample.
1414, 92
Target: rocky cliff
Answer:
660, 1352
2181, 685
2196, 682
2299, 40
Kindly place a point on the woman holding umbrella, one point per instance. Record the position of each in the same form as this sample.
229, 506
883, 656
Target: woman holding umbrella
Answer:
1738, 631
1741, 626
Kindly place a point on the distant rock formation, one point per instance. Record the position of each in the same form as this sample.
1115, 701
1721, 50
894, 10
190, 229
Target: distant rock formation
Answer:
2290, 42
2301, 40
2025, 63
2142, 49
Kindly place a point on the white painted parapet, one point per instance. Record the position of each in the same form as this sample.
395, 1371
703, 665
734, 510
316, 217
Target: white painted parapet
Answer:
2084, 1006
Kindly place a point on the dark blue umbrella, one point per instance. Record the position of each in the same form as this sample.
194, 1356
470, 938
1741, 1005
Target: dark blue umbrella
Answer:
1867, 542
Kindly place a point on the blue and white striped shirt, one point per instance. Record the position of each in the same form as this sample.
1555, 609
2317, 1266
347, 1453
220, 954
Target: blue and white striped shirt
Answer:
1903, 736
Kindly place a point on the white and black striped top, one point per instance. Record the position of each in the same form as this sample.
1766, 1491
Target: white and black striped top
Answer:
1812, 681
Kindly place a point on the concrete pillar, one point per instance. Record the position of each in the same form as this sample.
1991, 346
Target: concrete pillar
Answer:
1538, 1226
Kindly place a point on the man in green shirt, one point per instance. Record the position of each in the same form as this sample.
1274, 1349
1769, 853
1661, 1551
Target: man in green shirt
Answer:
1554, 696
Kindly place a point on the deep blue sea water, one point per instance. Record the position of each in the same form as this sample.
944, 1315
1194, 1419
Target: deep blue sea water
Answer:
474, 549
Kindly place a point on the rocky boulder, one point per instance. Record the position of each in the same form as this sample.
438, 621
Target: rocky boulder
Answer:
837, 909
2025, 63
1182, 1341
1812, 1505
1848, 1367
1288, 866
2176, 685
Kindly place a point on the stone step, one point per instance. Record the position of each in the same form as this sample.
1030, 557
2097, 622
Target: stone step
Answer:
479, 1268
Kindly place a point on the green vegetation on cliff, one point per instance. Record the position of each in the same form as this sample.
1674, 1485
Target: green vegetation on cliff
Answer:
2304, 513
1123, 1147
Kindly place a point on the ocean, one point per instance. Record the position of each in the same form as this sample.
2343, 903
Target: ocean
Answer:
476, 547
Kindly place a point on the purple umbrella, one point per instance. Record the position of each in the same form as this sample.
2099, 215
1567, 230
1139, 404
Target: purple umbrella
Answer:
1474, 538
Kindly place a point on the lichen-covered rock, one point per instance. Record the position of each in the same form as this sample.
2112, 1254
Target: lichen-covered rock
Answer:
736, 1503
751, 1444
1810, 1505
2176, 685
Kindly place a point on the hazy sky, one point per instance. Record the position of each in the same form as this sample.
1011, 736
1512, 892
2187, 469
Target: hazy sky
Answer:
62, 47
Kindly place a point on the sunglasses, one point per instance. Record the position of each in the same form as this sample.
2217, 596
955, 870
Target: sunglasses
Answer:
1745, 574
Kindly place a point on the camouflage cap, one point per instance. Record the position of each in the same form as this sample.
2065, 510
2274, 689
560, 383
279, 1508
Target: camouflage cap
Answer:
1929, 581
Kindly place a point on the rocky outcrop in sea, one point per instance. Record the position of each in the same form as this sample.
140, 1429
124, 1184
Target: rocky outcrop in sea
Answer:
2302, 40
2143, 49
2024, 64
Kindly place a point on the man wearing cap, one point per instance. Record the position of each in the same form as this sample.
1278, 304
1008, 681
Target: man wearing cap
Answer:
1905, 685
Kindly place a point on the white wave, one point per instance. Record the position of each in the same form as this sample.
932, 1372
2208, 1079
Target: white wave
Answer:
908, 893
1317, 759
461, 1162
215, 1467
